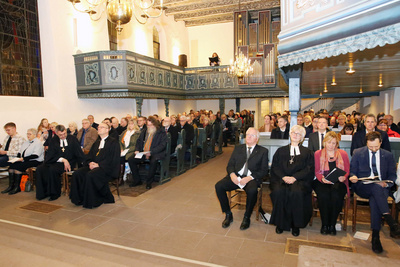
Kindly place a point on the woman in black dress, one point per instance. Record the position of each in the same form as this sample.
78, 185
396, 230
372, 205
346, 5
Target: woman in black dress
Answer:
292, 173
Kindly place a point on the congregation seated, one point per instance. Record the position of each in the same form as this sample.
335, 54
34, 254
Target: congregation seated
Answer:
348, 129
142, 121
341, 122
92, 123
315, 140
127, 143
226, 129
11, 145
72, 129
63, 154
392, 126
30, 155
173, 131
43, 130
282, 131
113, 132
373, 161
183, 121
330, 194
87, 136
52, 133
89, 184
292, 173
123, 124
151, 143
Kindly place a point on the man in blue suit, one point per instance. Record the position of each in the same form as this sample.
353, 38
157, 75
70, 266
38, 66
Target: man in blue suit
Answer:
372, 161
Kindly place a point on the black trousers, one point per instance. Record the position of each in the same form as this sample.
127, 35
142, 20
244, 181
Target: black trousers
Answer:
134, 166
330, 200
22, 166
226, 184
291, 205
48, 180
4, 161
90, 188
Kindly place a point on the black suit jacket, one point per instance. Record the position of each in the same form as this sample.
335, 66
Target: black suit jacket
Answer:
108, 157
257, 163
158, 144
276, 133
313, 141
395, 128
359, 140
173, 131
359, 165
73, 152
189, 129
95, 125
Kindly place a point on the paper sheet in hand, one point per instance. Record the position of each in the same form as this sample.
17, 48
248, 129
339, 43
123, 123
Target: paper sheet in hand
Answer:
14, 160
334, 175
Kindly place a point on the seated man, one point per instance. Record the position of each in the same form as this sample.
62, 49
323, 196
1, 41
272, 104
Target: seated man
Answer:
282, 131
11, 145
152, 142
315, 140
373, 161
173, 131
63, 154
246, 168
89, 185
87, 135
183, 120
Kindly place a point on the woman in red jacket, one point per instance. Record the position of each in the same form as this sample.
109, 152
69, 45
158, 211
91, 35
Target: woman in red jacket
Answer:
330, 194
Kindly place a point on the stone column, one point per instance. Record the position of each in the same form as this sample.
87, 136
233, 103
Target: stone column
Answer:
139, 103
237, 104
292, 77
222, 105
166, 103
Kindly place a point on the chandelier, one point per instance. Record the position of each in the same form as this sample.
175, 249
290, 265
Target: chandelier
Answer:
120, 12
241, 67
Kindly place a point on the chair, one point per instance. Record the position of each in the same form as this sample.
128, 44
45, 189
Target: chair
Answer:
66, 182
213, 141
236, 197
220, 139
193, 149
365, 200
344, 214
164, 163
31, 175
180, 153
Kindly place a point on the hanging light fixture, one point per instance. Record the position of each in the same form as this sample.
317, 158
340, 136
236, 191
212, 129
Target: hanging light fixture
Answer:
334, 78
241, 67
325, 88
120, 12
380, 84
350, 70
361, 90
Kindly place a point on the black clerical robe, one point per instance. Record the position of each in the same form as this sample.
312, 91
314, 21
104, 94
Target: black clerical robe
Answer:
48, 180
291, 203
90, 187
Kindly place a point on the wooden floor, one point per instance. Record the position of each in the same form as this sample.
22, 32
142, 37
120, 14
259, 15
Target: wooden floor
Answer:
181, 218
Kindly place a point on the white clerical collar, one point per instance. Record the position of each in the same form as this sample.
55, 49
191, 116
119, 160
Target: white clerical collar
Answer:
63, 143
294, 150
102, 142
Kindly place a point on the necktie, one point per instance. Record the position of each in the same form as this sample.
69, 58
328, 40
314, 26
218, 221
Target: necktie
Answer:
8, 144
373, 163
246, 165
322, 141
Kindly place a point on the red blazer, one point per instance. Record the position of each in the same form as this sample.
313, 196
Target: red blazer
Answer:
346, 162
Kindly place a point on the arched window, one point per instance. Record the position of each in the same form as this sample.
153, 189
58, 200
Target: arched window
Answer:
112, 36
156, 44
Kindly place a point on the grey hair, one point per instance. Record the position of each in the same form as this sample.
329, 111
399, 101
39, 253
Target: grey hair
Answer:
33, 131
301, 130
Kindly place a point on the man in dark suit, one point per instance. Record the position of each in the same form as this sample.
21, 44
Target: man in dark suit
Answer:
370, 161
63, 154
315, 140
282, 131
246, 168
173, 131
370, 126
188, 129
92, 123
142, 123
152, 142
89, 185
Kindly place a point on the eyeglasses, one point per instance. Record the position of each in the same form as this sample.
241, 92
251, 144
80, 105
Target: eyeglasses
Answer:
251, 135
382, 124
294, 133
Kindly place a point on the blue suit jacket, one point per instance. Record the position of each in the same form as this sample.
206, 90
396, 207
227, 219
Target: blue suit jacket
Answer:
358, 140
359, 165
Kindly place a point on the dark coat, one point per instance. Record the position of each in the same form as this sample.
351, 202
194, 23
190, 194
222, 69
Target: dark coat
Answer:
73, 152
189, 129
158, 144
173, 131
313, 141
107, 157
359, 140
276, 133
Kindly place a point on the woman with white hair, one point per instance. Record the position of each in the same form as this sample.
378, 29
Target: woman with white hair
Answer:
292, 173
30, 155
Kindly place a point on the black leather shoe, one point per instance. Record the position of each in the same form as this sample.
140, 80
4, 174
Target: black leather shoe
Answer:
52, 198
332, 229
324, 230
395, 231
376, 245
278, 230
228, 219
295, 231
148, 186
245, 223
135, 184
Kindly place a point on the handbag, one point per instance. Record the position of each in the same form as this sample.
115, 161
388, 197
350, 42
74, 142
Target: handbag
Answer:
24, 180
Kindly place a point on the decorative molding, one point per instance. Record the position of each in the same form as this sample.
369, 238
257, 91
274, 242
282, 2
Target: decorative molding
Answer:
92, 75
114, 72
359, 42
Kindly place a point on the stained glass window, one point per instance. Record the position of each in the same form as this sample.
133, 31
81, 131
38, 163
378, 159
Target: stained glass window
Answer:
20, 59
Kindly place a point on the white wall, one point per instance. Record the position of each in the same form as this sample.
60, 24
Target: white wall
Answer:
376, 104
207, 39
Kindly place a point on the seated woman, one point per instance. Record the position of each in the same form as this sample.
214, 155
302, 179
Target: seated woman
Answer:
127, 142
43, 130
214, 60
31, 155
52, 133
348, 129
330, 195
72, 129
292, 173
268, 124
383, 126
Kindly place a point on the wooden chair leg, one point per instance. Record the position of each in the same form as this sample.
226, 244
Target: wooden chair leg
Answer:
354, 221
346, 213
259, 204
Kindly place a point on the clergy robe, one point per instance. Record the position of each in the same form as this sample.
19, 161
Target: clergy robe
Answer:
90, 187
291, 203
48, 180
